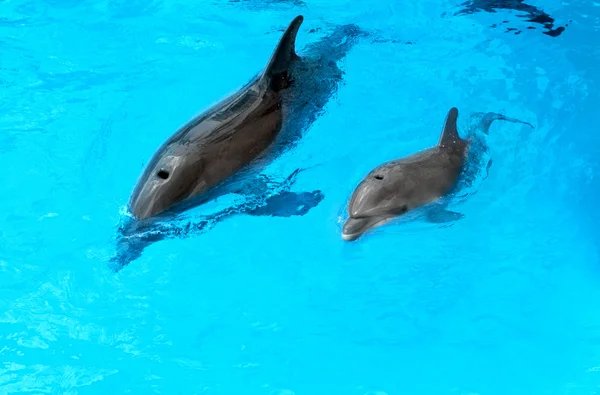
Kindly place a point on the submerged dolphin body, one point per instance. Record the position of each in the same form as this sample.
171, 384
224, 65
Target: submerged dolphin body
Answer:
313, 80
402, 186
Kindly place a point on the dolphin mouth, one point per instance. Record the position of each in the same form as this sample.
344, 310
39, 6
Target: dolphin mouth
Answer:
355, 227
350, 236
140, 214
141, 207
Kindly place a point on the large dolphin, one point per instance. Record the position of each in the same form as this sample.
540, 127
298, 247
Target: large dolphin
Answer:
220, 141
313, 80
400, 186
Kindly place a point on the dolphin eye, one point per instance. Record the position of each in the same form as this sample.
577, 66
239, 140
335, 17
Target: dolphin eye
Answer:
162, 174
401, 210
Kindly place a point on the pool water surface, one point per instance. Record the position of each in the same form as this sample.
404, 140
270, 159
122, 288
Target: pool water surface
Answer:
273, 301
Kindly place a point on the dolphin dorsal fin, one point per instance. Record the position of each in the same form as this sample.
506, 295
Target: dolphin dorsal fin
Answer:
285, 53
449, 132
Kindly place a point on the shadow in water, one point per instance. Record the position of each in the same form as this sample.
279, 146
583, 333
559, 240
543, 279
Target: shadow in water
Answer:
264, 4
275, 200
529, 12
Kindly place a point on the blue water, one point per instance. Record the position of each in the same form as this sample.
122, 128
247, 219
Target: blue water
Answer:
504, 301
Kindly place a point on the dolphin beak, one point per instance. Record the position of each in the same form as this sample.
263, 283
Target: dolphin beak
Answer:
350, 236
142, 204
140, 211
354, 228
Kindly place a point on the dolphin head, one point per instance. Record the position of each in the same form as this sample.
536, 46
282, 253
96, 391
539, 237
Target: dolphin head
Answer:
380, 197
399, 186
172, 175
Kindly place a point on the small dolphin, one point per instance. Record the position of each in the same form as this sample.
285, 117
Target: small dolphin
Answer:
221, 141
401, 186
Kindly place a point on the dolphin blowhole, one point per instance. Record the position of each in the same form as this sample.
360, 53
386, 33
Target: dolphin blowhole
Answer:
162, 174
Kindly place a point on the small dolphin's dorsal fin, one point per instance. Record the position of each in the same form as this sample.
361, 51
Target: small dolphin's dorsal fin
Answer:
285, 52
449, 132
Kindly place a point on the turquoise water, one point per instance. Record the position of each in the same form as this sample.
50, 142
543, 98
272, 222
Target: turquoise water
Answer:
504, 301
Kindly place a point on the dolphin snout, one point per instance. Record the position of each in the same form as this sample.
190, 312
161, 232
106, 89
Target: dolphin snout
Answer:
141, 209
350, 236
143, 204
354, 228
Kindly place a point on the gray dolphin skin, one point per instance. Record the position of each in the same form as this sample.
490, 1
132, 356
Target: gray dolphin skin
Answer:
220, 141
400, 186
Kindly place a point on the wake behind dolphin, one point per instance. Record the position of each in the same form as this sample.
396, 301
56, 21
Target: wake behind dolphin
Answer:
309, 82
403, 186
270, 198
